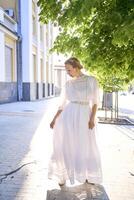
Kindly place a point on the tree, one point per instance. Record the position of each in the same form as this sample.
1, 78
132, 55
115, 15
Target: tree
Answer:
99, 32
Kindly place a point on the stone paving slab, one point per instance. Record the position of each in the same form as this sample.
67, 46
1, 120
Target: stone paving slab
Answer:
83, 191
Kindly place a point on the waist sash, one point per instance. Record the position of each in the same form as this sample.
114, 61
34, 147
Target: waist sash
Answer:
81, 102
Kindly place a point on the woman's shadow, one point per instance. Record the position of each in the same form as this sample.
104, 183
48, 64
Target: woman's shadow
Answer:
84, 191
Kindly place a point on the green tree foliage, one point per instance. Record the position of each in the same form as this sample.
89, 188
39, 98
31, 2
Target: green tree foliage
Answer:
99, 32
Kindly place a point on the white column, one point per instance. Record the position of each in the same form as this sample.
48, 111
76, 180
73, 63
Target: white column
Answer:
49, 36
44, 59
26, 27
2, 57
50, 57
44, 52
38, 47
52, 60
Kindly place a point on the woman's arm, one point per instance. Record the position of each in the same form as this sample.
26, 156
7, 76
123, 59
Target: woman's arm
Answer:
54, 119
62, 103
94, 102
91, 122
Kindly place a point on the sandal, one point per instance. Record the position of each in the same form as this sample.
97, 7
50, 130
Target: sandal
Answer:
62, 183
86, 181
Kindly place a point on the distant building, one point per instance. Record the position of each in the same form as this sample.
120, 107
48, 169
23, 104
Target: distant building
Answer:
26, 69
60, 78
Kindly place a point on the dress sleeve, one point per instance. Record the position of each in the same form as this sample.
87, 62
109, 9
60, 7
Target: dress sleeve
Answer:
62, 101
95, 92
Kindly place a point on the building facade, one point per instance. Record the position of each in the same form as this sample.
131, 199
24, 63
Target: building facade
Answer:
8, 57
37, 63
26, 67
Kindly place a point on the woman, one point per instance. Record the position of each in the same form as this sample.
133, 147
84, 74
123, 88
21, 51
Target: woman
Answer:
75, 153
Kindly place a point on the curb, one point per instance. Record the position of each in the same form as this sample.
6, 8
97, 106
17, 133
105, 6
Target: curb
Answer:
129, 122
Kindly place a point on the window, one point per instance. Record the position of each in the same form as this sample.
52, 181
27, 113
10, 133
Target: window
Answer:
34, 26
47, 37
41, 33
34, 6
8, 64
34, 69
34, 19
47, 71
41, 70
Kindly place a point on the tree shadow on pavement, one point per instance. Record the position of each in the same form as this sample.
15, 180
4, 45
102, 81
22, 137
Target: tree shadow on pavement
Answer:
81, 192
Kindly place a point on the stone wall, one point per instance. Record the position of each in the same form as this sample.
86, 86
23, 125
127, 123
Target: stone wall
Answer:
8, 92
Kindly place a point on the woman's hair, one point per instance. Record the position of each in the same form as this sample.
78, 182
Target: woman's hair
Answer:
74, 62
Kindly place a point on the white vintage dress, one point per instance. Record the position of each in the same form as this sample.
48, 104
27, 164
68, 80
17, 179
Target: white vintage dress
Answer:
75, 152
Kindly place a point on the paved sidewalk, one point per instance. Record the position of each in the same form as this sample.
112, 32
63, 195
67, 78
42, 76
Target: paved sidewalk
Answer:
26, 146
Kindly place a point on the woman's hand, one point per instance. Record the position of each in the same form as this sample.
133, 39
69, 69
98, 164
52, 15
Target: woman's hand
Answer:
52, 124
91, 123
54, 119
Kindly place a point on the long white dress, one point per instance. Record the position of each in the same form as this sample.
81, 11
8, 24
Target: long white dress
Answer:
75, 152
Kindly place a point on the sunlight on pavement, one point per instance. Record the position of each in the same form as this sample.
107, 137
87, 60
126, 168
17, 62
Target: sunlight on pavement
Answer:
40, 151
41, 144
